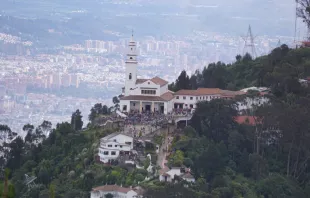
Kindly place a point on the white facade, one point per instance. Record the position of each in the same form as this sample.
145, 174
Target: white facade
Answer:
116, 191
131, 67
143, 95
113, 145
152, 95
169, 175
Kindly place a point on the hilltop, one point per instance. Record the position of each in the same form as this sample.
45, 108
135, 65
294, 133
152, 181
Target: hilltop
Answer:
267, 157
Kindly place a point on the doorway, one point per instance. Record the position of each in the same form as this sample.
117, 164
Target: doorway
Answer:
147, 107
162, 108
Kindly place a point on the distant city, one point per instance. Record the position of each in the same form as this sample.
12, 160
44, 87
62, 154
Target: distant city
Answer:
49, 82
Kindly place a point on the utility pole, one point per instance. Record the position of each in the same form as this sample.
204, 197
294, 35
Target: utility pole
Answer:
249, 43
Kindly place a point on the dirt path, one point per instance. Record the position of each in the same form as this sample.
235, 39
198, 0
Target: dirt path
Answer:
161, 160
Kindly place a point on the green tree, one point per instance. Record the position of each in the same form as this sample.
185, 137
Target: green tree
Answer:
76, 120
116, 102
215, 119
177, 159
52, 191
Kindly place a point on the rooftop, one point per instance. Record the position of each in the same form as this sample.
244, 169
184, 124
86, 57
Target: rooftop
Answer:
156, 80
248, 120
209, 91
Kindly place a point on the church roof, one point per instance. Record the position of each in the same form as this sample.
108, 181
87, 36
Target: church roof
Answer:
159, 81
167, 96
156, 80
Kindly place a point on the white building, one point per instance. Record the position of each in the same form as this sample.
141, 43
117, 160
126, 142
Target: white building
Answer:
152, 95
114, 145
187, 99
168, 176
143, 95
116, 191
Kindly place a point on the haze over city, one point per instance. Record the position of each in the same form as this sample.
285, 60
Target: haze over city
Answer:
57, 56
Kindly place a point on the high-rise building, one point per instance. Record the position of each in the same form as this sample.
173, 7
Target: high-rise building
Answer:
88, 44
65, 80
75, 80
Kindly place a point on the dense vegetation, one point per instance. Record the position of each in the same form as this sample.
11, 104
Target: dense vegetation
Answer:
280, 70
268, 159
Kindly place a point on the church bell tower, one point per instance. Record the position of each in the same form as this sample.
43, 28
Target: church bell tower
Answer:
131, 66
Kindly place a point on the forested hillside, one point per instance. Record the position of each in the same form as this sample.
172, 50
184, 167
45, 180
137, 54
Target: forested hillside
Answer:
267, 156
280, 70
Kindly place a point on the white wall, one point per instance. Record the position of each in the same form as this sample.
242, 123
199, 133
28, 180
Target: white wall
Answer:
163, 89
190, 180
124, 103
147, 85
249, 102
130, 83
187, 101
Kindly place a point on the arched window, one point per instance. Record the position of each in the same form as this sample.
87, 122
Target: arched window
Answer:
130, 76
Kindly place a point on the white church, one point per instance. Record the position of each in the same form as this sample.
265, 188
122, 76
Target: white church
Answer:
143, 95
152, 95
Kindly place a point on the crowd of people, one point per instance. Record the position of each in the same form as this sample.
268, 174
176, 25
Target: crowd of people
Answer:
140, 124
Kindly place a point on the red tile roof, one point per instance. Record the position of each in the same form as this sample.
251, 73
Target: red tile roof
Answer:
167, 96
188, 176
159, 81
209, 91
156, 80
112, 188
249, 120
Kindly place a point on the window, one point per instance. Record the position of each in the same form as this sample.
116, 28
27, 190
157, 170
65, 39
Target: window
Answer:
110, 145
177, 97
191, 98
106, 153
134, 104
184, 97
191, 106
113, 153
196, 98
130, 58
115, 145
129, 143
148, 92
125, 108
131, 49
121, 146
130, 76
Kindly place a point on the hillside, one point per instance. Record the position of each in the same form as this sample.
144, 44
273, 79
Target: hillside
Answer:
265, 158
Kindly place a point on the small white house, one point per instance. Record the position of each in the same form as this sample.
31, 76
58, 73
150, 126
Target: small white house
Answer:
114, 145
116, 191
169, 175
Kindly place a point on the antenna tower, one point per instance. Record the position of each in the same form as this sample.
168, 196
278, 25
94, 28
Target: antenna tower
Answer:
29, 181
249, 43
